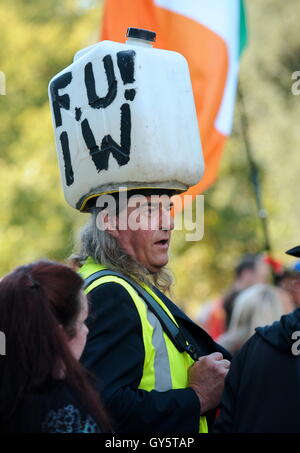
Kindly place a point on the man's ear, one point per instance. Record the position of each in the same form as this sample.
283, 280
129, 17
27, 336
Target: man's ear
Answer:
107, 222
114, 233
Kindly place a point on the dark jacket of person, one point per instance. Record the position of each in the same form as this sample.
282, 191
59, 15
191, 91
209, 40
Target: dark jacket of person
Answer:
115, 353
55, 408
262, 388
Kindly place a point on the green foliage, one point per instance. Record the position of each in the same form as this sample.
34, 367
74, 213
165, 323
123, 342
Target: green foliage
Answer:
38, 39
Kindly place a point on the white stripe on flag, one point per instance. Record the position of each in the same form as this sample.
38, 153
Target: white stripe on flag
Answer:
223, 18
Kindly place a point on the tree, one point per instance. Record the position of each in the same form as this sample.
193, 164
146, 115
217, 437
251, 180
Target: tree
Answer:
38, 39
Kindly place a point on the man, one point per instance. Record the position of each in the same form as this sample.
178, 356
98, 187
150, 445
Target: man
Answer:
147, 384
140, 138
261, 392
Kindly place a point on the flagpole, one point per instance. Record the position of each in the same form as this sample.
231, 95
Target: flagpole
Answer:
254, 173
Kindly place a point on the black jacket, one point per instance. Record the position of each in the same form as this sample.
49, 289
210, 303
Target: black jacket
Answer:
55, 408
262, 389
115, 354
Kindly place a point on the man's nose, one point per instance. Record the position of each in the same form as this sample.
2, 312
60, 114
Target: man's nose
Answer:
166, 220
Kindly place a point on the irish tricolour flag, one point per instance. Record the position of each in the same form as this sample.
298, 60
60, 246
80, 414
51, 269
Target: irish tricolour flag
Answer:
211, 35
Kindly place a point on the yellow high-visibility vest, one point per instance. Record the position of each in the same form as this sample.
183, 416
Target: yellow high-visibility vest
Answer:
165, 368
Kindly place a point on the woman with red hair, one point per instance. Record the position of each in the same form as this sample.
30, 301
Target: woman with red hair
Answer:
43, 387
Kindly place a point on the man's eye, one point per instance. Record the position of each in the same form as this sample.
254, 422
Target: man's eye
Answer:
149, 209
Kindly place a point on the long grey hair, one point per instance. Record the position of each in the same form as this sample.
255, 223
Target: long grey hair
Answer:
105, 250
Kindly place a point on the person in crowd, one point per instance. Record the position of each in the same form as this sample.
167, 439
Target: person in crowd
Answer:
121, 162
148, 383
43, 387
262, 392
215, 316
256, 306
289, 281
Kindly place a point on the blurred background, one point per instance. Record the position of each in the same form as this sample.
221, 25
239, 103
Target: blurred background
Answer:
40, 38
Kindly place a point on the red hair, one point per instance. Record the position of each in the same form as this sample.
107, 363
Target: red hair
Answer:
36, 300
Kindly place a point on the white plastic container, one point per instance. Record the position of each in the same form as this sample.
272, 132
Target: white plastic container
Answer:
124, 115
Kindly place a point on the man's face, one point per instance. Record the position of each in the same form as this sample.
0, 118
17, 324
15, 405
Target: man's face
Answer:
291, 284
149, 244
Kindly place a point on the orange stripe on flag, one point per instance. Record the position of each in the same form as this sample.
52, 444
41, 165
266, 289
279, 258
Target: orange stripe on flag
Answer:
212, 162
207, 56
121, 14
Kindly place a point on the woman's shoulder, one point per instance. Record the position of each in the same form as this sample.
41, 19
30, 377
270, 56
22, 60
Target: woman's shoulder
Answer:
56, 409
64, 413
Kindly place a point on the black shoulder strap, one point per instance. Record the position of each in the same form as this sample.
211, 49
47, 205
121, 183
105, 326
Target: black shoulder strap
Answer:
169, 326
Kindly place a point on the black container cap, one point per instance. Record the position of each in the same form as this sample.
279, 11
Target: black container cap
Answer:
140, 33
295, 251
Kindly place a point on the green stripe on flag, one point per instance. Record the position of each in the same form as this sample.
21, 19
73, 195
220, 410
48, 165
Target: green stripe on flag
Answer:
243, 27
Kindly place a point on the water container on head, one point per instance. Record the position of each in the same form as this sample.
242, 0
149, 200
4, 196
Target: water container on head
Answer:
124, 116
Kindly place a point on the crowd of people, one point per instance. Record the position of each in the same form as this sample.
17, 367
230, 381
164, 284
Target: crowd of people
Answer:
262, 290
99, 346
88, 355
258, 322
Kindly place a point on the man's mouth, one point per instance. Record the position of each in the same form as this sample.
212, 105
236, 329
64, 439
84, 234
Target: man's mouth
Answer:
164, 243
